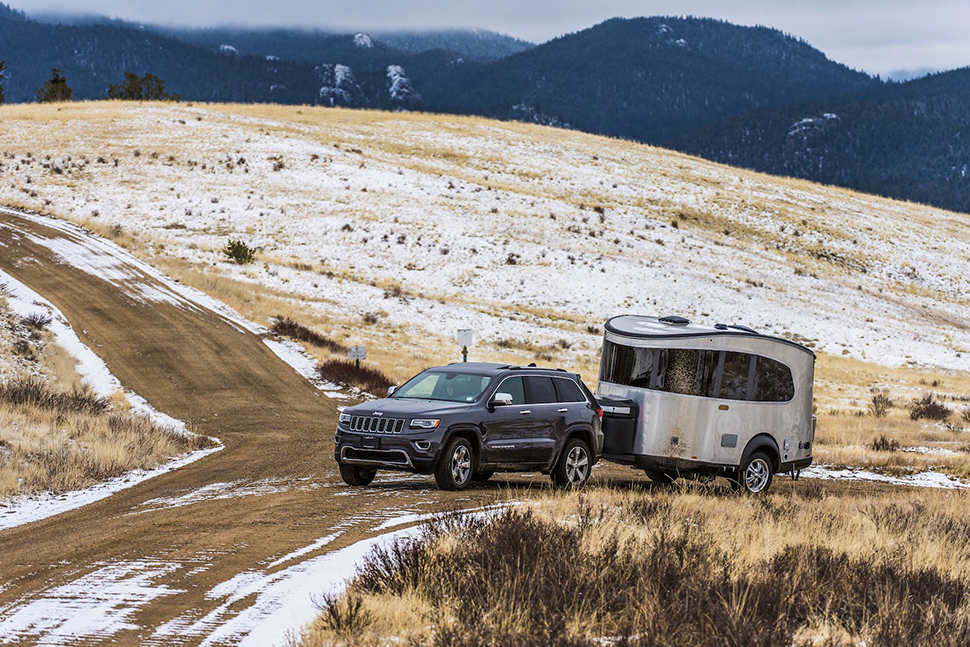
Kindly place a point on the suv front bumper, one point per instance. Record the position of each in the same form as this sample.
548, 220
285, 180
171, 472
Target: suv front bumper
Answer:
378, 450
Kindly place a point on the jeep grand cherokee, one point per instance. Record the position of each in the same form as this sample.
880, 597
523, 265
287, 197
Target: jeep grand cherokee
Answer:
464, 422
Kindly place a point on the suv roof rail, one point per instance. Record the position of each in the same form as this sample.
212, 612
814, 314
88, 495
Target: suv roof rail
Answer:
533, 367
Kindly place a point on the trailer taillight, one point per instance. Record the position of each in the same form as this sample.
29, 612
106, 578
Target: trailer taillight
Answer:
599, 412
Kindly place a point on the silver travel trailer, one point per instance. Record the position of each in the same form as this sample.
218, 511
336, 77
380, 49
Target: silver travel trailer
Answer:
680, 399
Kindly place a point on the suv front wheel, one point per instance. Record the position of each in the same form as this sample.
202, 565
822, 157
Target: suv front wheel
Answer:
454, 470
355, 475
574, 465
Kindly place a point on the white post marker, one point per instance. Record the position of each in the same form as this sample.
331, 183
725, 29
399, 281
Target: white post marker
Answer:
465, 338
357, 353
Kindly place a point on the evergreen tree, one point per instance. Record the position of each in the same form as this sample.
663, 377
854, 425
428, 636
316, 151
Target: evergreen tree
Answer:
55, 88
135, 88
3, 72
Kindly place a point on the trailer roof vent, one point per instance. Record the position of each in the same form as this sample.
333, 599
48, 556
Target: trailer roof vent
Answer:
720, 326
744, 329
674, 320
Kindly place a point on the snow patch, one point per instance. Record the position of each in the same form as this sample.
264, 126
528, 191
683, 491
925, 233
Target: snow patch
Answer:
930, 479
96, 605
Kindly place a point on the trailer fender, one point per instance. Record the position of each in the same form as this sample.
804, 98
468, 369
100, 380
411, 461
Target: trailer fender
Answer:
765, 443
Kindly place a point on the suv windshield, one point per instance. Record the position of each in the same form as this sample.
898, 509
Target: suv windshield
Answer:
441, 385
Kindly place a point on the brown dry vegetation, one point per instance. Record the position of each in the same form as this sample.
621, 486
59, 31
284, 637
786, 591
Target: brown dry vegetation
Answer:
695, 566
54, 435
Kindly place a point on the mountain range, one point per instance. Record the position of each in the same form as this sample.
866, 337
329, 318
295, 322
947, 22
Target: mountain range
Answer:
747, 96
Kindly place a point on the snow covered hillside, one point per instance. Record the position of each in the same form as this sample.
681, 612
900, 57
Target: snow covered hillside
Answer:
397, 229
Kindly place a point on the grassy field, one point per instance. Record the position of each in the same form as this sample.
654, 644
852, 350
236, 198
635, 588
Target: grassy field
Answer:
806, 565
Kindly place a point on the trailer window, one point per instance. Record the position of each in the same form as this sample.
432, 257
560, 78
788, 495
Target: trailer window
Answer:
773, 381
686, 371
627, 365
736, 376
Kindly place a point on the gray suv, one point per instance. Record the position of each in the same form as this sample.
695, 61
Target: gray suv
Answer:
464, 422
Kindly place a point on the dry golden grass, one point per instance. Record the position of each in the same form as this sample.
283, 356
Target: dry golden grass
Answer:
811, 565
55, 451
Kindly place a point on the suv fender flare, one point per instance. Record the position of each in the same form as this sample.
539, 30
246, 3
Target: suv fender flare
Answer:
763, 442
470, 434
582, 432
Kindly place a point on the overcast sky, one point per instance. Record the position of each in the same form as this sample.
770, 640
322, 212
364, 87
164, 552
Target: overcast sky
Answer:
878, 36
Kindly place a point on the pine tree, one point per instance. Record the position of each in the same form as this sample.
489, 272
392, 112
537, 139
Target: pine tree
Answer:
135, 88
3, 73
55, 88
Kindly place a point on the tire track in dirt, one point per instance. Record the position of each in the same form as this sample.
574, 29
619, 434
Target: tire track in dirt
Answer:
167, 543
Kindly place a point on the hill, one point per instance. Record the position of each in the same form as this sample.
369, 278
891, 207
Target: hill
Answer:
750, 96
904, 140
647, 79
395, 229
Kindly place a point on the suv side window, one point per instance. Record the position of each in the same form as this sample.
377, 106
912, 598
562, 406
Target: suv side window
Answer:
542, 390
515, 387
568, 391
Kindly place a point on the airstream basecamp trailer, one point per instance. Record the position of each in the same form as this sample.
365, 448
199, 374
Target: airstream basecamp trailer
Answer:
682, 399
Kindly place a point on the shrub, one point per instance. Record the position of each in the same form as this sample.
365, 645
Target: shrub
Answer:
369, 380
32, 391
880, 405
507, 580
883, 444
930, 408
37, 320
239, 252
286, 327
965, 414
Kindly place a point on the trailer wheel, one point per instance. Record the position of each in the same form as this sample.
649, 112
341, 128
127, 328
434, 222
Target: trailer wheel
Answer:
660, 476
754, 474
574, 465
356, 475
454, 469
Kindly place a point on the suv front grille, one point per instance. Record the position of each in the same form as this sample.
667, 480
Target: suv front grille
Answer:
376, 424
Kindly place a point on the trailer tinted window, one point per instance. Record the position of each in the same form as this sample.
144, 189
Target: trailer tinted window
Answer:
736, 376
773, 381
628, 365
686, 371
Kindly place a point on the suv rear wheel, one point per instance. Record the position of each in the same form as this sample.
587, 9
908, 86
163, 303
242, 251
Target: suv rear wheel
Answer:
574, 465
356, 475
454, 469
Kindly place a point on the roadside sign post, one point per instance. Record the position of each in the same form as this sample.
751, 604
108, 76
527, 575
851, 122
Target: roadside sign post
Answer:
357, 353
465, 338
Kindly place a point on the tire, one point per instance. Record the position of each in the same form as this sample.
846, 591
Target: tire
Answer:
481, 477
573, 468
660, 477
356, 475
456, 465
754, 474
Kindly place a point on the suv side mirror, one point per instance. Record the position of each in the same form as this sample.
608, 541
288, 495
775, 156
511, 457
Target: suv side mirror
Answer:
391, 390
501, 400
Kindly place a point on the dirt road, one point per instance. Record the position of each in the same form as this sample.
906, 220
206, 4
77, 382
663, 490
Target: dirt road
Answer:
149, 559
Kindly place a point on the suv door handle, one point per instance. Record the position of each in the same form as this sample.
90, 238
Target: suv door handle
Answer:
526, 412
563, 410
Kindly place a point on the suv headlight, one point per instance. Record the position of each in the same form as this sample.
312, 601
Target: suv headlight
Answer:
344, 419
424, 423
